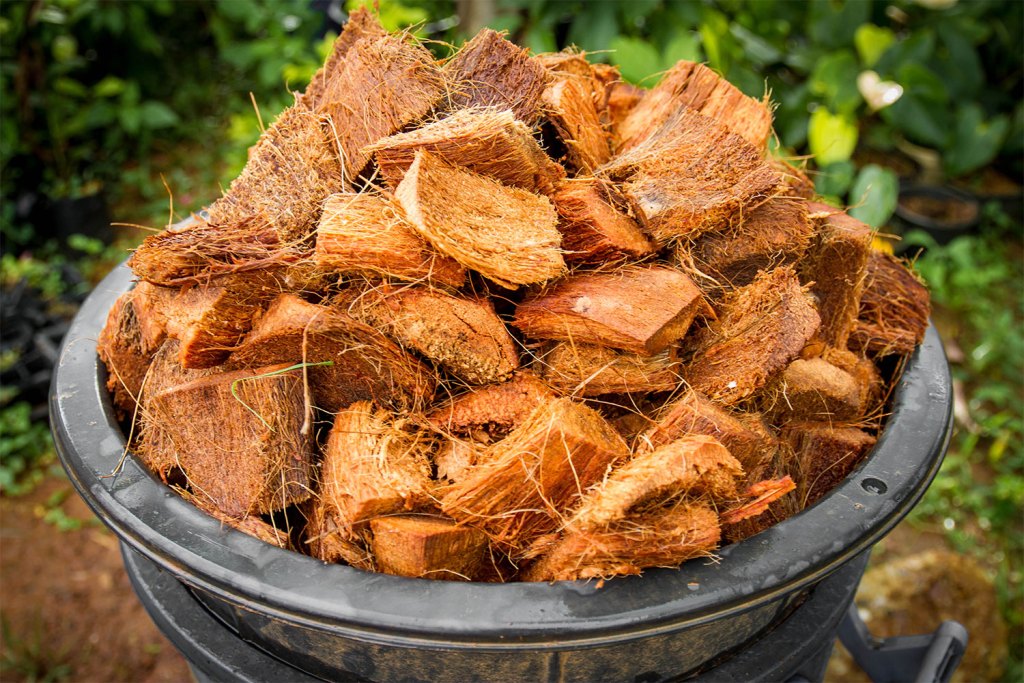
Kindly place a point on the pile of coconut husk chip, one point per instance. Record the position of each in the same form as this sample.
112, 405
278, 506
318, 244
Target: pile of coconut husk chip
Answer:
508, 317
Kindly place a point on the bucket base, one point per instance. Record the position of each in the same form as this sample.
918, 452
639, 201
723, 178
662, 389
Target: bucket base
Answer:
793, 650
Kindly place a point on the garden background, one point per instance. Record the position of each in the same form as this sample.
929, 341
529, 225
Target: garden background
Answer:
138, 113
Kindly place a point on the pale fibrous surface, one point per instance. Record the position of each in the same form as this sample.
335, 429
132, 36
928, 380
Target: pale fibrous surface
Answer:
504, 316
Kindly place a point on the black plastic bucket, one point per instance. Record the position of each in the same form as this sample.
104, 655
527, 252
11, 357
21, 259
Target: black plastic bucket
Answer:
341, 623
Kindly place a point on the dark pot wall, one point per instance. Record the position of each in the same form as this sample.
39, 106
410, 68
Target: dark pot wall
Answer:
335, 618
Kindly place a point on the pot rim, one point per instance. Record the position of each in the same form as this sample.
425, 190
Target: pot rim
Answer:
298, 589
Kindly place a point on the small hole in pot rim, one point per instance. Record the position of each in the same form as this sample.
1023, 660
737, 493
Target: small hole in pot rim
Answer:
873, 485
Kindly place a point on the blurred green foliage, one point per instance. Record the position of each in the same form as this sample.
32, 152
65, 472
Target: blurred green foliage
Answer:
92, 86
977, 286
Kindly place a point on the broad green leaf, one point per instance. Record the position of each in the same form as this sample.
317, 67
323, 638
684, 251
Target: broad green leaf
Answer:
637, 59
959, 64
917, 49
636, 12
595, 28
130, 119
922, 82
686, 46
976, 141
157, 115
874, 194
831, 137
757, 49
70, 87
110, 86
832, 23
923, 122
872, 42
540, 38
834, 179
714, 31
835, 80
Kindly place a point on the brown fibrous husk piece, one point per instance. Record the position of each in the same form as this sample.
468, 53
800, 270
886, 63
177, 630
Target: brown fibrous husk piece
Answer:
491, 71
427, 546
209, 319
364, 363
760, 329
813, 389
588, 370
775, 233
642, 309
659, 538
192, 253
620, 98
744, 434
694, 86
506, 234
836, 264
794, 176
692, 175
759, 498
485, 140
691, 465
894, 309
595, 223
522, 486
373, 465
495, 408
291, 169
824, 454
460, 334
383, 84
570, 107
121, 346
361, 23
367, 234
869, 380
237, 437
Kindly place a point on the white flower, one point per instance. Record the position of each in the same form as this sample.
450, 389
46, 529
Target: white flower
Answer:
876, 92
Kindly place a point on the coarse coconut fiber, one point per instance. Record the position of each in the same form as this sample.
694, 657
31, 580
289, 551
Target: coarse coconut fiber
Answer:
502, 316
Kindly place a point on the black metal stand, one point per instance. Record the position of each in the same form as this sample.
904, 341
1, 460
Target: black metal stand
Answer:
930, 658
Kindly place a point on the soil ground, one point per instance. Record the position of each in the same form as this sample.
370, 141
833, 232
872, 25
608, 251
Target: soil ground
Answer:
69, 613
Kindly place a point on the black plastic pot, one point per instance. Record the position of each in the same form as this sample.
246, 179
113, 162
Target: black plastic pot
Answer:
340, 623
962, 211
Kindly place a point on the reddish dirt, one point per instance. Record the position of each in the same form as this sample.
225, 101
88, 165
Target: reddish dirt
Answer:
66, 596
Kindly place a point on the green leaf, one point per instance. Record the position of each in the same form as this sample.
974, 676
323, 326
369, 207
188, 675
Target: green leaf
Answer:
921, 121
917, 49
831, 137
871, 42
686, 46
70, 87
835, 79
130, 119
595, 28
832, 23
540, 38
158, 115
110, 86
958, 63
637, 59
976, 141
714, 32
874, 194
834, 179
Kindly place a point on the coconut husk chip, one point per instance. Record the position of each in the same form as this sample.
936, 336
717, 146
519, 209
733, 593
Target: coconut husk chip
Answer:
506, 316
